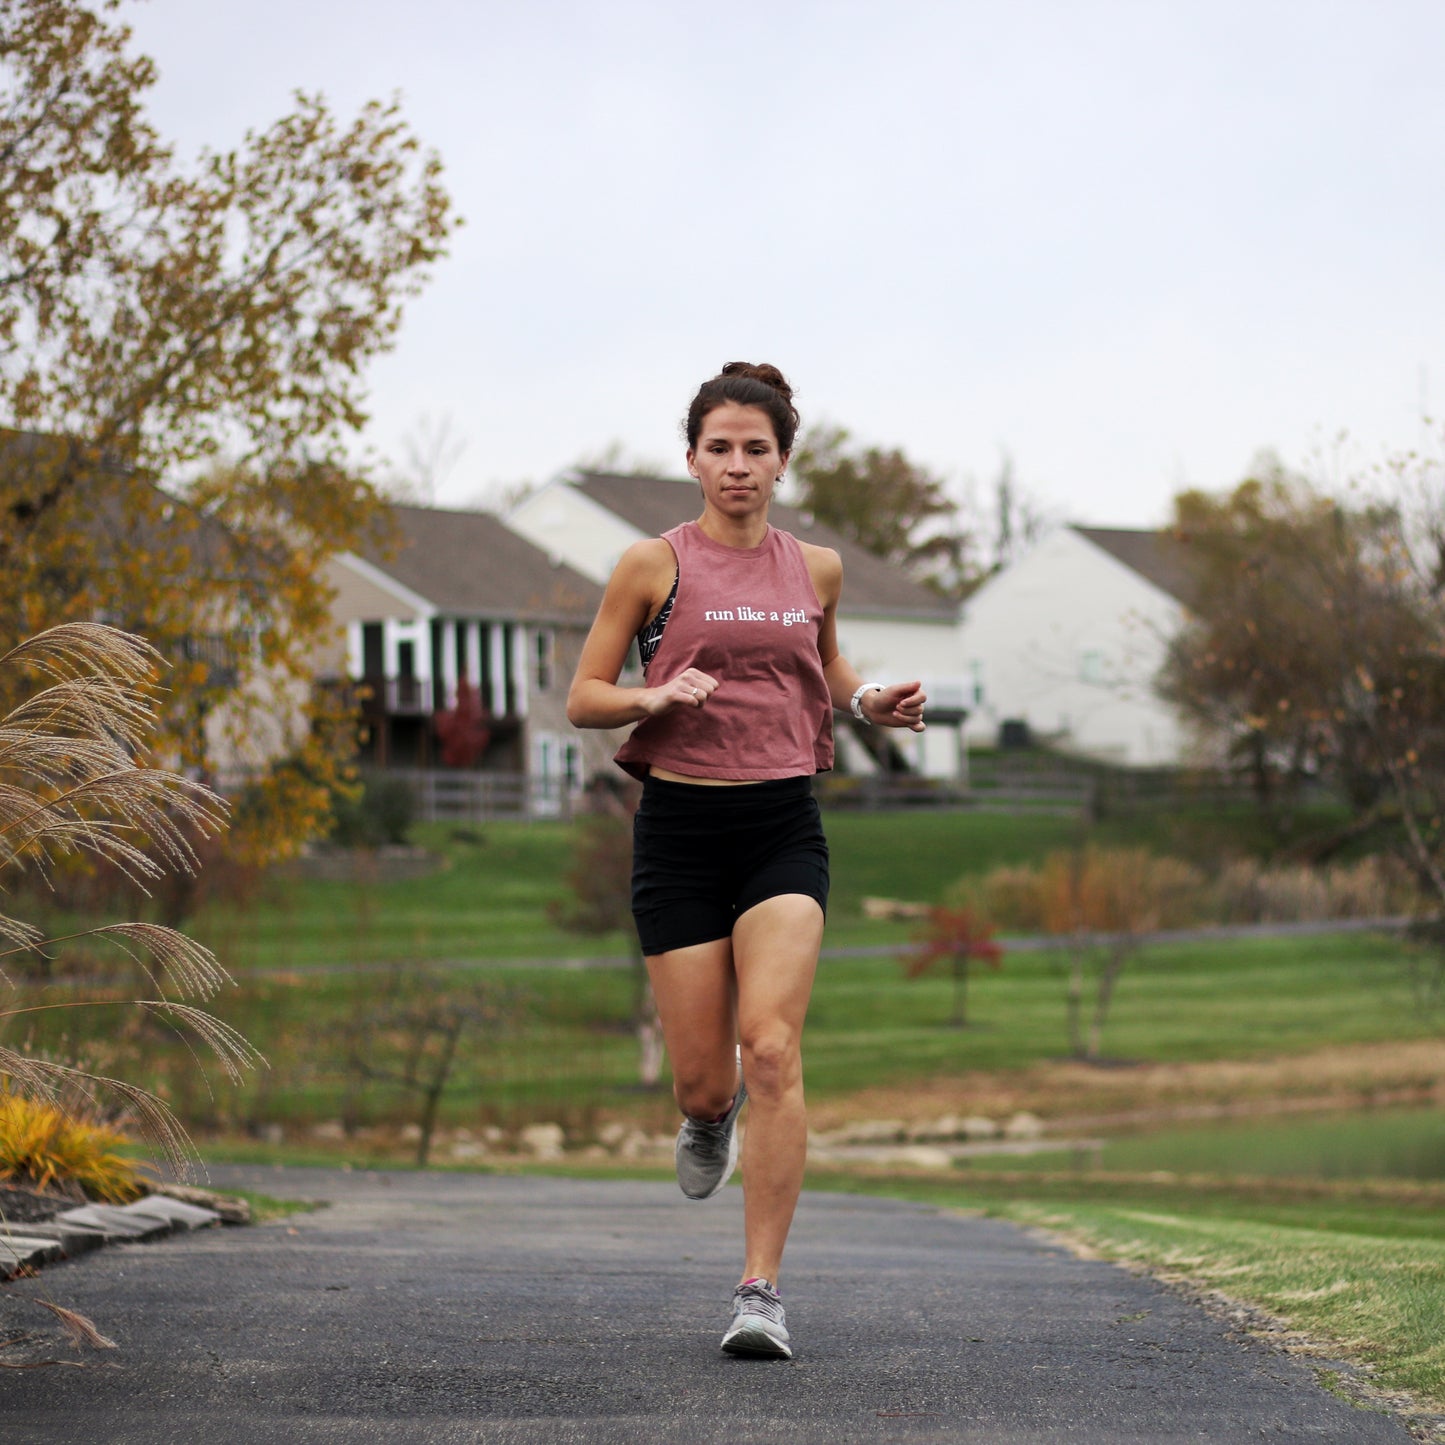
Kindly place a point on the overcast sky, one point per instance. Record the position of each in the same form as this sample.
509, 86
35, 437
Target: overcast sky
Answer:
1129, 243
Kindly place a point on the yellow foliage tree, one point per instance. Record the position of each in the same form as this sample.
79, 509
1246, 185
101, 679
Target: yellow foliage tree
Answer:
182, 364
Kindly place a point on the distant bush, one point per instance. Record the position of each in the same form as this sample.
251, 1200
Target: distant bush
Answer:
1096, 890
1248, 892
1038, 900
1009, 895
381, 813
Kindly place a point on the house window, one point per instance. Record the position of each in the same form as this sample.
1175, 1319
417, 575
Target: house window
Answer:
1091, 667
373, 653
556, 772
544, 658
975, 669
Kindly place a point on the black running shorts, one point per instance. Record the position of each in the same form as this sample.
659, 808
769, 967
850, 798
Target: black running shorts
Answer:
703, 855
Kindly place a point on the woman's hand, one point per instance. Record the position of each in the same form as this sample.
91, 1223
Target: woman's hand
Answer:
688, 689
899, 705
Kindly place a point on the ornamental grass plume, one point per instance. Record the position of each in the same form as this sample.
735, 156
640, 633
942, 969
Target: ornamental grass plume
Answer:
74, 783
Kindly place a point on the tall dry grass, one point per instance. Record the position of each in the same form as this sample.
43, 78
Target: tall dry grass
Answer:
76, 782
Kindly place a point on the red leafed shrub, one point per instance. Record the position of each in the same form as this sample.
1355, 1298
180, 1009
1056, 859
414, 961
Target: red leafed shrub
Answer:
956, 937
462, 730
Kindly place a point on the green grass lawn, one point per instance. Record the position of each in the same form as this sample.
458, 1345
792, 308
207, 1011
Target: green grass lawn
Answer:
563, 1048
1372, 1143
489, 899
566, 1051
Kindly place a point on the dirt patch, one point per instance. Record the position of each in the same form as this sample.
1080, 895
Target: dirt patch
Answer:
1080, 1096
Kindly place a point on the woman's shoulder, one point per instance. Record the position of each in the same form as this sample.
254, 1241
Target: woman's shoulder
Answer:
645, 565
825, 567
648, 552
820, 559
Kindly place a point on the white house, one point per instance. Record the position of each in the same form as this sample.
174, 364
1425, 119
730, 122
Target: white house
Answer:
1069, 640
889, 626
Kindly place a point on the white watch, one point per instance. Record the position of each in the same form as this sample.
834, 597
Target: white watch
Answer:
856, 701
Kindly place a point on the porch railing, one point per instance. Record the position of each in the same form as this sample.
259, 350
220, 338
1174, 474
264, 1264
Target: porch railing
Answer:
457, 796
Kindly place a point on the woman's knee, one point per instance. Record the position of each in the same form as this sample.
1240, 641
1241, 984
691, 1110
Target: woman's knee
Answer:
772, 1063
703, 1091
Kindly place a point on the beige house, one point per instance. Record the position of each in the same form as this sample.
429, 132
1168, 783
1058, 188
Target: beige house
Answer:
462, 598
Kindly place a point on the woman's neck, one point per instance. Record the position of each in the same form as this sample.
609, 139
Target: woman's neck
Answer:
734, 531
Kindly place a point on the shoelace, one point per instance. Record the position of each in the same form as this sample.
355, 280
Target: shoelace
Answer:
757, 1299
706, 1139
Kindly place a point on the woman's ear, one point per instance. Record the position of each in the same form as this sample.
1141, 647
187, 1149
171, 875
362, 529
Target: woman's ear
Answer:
691, 467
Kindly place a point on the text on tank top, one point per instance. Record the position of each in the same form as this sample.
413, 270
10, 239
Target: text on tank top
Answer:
750, 617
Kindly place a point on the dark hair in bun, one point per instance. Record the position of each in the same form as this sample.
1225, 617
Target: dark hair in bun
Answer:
747, 385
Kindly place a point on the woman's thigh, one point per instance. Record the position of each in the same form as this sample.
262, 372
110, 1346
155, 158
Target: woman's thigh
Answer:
696, 994
775, 957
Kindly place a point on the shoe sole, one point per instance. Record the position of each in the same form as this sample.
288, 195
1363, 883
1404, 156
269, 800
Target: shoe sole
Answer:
756, 1344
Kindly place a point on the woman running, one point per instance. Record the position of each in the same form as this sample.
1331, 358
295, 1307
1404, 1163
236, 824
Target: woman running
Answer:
735, 622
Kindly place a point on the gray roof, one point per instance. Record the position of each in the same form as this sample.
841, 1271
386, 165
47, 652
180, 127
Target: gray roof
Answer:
120, 512
1158, 557
471, 564
871, 586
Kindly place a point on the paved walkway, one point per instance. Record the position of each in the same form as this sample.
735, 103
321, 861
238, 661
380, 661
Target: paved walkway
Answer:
467, 1308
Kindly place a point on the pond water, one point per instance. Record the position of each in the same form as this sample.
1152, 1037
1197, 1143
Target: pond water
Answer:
1362, 1144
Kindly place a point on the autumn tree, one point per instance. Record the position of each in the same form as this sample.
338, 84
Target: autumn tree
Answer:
884, 502
183, 352
411, 1038
1316, 647
1100, 904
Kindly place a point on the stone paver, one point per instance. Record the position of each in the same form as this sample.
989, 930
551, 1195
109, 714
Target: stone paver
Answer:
20, 1252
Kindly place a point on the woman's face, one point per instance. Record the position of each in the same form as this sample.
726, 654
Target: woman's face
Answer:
736, 459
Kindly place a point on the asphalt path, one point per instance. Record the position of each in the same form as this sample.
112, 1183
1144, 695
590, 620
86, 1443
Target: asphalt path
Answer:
463, 1308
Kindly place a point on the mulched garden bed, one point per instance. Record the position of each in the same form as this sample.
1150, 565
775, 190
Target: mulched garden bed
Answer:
27, 1206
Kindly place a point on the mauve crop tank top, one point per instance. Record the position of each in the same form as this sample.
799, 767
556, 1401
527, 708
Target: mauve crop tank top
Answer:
748, 616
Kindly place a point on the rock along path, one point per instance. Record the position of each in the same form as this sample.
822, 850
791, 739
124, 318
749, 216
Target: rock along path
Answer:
473, 1308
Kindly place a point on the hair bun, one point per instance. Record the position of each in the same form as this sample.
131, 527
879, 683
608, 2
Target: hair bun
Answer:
761, 371
742, 383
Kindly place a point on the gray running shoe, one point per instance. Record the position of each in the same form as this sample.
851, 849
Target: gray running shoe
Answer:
707, 1153
758, 1329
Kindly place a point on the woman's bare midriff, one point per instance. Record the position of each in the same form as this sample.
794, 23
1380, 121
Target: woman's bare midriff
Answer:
671, 777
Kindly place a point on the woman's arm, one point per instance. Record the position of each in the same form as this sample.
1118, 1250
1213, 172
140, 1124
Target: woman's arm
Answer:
896, 705
636, 591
